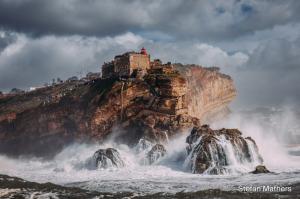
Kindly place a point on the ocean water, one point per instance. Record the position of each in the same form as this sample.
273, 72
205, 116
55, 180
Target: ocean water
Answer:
169, 175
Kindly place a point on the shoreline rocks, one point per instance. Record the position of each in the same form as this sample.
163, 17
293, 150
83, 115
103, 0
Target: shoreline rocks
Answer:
157, 152
219, 151
260, 169
107, 158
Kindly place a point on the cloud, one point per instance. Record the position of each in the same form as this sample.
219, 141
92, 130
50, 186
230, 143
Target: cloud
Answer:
204, 20
271, 75
276, 55
248, 43
29, 62
256, 42
196, 53
71, 17
6, 38
268, 75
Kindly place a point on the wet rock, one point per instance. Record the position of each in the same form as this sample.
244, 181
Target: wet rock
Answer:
143, 145
217, 151
106, 158
216, 170
260, 169
45, 120
156, 153
157, 128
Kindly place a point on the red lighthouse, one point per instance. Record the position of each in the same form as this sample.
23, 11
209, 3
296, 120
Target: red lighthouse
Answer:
143, 51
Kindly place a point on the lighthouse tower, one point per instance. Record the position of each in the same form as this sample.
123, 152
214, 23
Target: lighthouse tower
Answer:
143, 51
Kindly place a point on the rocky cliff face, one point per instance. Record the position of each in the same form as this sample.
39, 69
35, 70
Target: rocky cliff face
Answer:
165, 102
208, 91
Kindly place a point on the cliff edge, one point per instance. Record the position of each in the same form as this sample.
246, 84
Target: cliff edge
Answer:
158, 105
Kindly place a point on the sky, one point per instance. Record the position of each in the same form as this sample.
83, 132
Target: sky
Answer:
256, 42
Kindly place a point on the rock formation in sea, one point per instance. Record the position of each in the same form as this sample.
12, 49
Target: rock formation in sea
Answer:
154, 103
106, 158
219, 151
260, 169
157, 152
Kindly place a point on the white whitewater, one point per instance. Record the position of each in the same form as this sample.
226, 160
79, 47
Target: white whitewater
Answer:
168, 175
166, 136
254, 156
190, 160
105, 158
232, 161
68, 168
141, 150
237, 161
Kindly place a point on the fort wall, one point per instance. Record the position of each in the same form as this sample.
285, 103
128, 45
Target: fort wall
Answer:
125, 65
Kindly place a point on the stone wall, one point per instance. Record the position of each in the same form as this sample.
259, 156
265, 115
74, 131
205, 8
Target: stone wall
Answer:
139, 61
122, 65
108, 69
128, 64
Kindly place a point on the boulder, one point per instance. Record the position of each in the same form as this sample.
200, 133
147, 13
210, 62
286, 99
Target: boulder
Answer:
218, 151
106, 158
260, 169
143, 145
156, 153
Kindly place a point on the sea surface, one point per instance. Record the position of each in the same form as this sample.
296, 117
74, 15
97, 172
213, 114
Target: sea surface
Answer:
169, 177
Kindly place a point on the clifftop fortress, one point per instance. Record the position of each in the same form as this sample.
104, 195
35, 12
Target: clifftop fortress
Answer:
168, 88
129, 64
143, 98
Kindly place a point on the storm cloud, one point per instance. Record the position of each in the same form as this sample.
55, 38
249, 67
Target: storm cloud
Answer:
51, 57
256, 42
211, 20
271, 75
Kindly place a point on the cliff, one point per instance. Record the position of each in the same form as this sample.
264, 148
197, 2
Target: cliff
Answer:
208, 91
164, 102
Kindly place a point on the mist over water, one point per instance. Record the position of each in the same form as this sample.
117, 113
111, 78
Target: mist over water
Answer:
274, 130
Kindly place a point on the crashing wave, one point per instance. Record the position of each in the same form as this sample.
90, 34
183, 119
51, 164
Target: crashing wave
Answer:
143, 146
157, 152
220, 151
149, 153
106, 158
